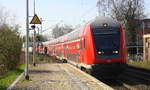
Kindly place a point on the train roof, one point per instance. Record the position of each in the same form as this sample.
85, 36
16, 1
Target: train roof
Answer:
95, 23
45, 43
99, 21
74, 34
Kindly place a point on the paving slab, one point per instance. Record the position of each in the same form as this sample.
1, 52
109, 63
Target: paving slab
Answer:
59, 77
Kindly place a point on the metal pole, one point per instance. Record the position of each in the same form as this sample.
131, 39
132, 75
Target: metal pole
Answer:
38, 30
27, 41
137, 47
34, 48
34, 40
38, 42
143, 28
143, 39
34, 7
41, 25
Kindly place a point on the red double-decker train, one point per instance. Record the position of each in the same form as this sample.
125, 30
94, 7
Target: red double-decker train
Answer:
98, 47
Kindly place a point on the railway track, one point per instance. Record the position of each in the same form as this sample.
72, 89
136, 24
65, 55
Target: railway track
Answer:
127, 86
133, 78
138, 73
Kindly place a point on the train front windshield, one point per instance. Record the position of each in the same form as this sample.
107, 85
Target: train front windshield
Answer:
107, 42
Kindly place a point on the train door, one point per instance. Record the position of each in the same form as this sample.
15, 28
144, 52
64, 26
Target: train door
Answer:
67, 51
78, 51
82, 50
64, 50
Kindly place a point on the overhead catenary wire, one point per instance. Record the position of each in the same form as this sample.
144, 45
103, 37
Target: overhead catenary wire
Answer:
81, 18
51, 27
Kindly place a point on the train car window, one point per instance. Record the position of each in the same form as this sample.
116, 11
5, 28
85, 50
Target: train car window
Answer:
84, 43
80, 44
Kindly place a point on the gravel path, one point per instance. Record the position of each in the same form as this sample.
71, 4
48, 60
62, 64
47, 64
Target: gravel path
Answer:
57, 77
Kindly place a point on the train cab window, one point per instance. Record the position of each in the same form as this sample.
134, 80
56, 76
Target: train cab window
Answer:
107, 42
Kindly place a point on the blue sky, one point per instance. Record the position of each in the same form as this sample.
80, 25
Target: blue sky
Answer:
55, 11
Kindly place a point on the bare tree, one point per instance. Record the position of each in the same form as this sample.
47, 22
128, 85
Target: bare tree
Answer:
3, 16
56, 32
41, 38
121, 9
103, 7
61, 30
7, 17
126, 11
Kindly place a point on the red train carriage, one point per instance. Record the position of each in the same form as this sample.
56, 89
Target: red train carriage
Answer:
98, 47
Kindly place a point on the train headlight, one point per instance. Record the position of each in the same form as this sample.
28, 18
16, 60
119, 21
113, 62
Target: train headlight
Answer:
116, 52
105, 25
100, 52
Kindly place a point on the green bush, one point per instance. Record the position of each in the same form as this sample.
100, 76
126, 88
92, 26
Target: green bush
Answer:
10, 47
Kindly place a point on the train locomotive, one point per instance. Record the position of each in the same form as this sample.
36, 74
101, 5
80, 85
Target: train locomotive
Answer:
98, 47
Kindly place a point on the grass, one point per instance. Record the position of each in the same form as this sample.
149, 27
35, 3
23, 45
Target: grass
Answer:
140, 64
10, 76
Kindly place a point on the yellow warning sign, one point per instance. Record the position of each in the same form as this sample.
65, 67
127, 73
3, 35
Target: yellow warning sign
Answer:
35, 20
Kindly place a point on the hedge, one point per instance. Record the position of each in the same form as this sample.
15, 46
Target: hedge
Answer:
10, 48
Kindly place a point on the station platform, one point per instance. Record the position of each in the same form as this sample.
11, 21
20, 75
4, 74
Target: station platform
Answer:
59, 76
